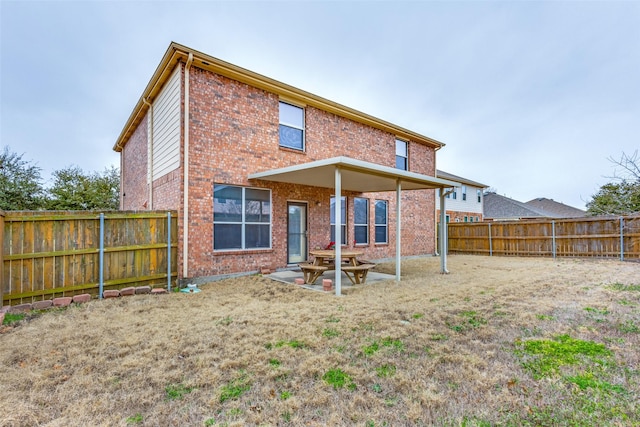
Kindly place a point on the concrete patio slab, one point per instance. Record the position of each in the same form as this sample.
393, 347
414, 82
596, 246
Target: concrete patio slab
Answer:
290, 276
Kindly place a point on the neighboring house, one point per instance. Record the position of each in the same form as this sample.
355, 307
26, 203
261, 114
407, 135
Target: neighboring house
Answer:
501, 208
555, 209
254, 166
464, 203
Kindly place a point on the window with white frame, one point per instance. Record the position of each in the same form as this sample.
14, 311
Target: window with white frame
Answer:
241, 218
361, 220
291, 126
343, 219
479, 194
464, 192
381, 221
402, 155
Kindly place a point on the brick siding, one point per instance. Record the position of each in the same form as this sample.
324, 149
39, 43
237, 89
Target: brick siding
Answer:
134, 190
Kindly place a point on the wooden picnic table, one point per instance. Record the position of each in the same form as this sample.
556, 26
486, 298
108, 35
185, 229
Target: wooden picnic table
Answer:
324, 257
324, 260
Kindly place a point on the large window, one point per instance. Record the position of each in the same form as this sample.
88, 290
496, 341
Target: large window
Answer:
343, 219
382, 223
291, 126
402, 155
241, 218
361, 220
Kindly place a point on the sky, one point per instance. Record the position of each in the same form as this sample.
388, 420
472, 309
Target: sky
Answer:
532, 99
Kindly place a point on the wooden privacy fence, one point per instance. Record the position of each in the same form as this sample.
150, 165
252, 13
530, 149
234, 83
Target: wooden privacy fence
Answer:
610, 237
50, 254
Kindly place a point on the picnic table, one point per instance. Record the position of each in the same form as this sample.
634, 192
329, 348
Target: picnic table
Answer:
324, 260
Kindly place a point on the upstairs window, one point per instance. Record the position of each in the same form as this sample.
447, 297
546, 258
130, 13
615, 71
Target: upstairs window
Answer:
402, 155
464, 192
291, 126
479, 194
361, 220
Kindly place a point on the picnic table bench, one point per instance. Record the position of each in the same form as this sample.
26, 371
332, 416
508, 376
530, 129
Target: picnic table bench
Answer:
359, 272
311, 272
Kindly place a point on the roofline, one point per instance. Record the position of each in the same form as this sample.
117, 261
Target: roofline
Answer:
447, 175
348, 163
178, 53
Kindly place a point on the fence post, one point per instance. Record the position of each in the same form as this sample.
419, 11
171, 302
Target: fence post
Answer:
553, 238
1, 257
169, 251
621, 238
101, 257
490, 242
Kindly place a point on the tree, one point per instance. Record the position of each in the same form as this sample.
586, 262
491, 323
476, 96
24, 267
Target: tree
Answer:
20, 183
622, 196
73, 189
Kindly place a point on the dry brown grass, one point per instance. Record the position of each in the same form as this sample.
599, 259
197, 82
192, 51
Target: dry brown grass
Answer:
445, 343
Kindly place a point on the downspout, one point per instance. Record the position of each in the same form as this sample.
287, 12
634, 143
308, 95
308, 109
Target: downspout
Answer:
122, 189
185, 192
150, 152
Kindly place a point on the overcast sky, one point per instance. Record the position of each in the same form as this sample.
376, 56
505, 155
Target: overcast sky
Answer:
530, 98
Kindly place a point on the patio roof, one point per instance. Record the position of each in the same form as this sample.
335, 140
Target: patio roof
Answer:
357, 175
345, 173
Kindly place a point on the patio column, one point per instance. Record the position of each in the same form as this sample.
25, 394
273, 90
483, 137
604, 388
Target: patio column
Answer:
338, 230
443, 232
398, 229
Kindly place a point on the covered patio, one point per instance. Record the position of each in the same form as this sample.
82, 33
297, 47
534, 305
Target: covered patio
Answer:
347, 174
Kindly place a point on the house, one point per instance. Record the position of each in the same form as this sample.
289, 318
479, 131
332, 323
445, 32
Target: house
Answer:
254, 168
464, 204
555, 209
501, 208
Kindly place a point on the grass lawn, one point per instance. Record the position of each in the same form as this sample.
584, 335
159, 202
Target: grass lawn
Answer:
499, 341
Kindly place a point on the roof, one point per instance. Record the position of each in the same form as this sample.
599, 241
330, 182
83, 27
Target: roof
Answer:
177, 53
555, 209
356, 175
450, 176
501, 207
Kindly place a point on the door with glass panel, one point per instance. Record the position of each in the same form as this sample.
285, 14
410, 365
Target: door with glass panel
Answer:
296, 232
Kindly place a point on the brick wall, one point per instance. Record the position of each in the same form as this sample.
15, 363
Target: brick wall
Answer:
134, 190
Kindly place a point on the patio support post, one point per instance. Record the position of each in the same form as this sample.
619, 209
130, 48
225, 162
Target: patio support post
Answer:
398, 229
443, 232
338, 230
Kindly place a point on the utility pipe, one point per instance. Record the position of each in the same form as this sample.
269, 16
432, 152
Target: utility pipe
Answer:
150, 152
398, 229
185, 192
169, 251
